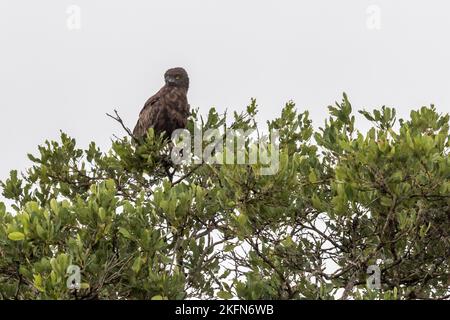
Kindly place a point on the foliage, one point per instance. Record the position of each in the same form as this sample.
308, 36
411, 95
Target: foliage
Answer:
342, 200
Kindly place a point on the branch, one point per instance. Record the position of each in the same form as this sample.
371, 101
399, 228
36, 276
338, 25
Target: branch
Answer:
187, 175
348, 288
119, 119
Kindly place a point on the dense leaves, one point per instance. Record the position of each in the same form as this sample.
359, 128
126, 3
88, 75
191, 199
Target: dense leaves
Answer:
139, 227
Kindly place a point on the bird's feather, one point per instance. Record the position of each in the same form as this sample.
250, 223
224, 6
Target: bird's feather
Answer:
165, 111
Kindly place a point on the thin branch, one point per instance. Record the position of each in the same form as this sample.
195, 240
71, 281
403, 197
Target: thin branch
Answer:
119, 119
187, 175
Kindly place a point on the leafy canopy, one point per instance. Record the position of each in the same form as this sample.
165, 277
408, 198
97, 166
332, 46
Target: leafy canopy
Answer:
341, 201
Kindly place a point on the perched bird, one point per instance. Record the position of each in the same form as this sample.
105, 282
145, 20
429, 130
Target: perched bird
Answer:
168, 109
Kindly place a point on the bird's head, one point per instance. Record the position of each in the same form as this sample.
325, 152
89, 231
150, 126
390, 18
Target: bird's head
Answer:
177, 77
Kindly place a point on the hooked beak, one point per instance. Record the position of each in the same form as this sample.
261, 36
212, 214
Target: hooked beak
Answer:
171, 80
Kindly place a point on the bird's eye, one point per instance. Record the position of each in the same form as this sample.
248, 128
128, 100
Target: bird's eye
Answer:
178, 77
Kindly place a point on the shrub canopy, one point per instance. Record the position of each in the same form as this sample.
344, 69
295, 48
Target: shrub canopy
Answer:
341, 201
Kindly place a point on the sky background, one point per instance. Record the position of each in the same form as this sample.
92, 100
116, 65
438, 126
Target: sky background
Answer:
54, 77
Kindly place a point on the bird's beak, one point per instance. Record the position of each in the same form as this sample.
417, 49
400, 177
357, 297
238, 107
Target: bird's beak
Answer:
171, 80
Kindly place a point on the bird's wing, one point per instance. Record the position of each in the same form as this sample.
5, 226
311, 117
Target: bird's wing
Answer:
151, 101
147, 115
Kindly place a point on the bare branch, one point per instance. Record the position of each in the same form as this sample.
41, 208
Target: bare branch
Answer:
119, 119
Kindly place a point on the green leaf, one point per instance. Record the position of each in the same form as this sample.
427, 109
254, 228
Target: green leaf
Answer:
317, 204
38, 283
229, 247
224, 295
312, 177
137, 265
2, 208
110, 184
84, 285
102, 214
367, 115
386, 201
242, 219
54, 206
40, 231
125, 233
16, 236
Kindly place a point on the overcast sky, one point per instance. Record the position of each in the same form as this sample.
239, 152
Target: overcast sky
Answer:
58, 74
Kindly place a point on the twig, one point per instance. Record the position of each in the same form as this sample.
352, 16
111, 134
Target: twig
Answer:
348, 288
119, 119
188, 174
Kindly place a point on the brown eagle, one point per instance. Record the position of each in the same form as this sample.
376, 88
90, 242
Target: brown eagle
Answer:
168, 109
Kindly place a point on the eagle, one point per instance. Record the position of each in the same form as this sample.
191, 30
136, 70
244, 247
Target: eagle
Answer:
168, 109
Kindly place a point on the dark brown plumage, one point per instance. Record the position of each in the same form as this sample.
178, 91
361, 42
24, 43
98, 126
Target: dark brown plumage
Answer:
168, 109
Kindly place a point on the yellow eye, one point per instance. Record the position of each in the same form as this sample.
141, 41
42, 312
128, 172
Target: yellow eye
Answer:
177, 77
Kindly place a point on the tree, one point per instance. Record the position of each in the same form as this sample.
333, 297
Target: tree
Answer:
139, 227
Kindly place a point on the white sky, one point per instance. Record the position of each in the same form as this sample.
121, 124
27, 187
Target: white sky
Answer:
54, 78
